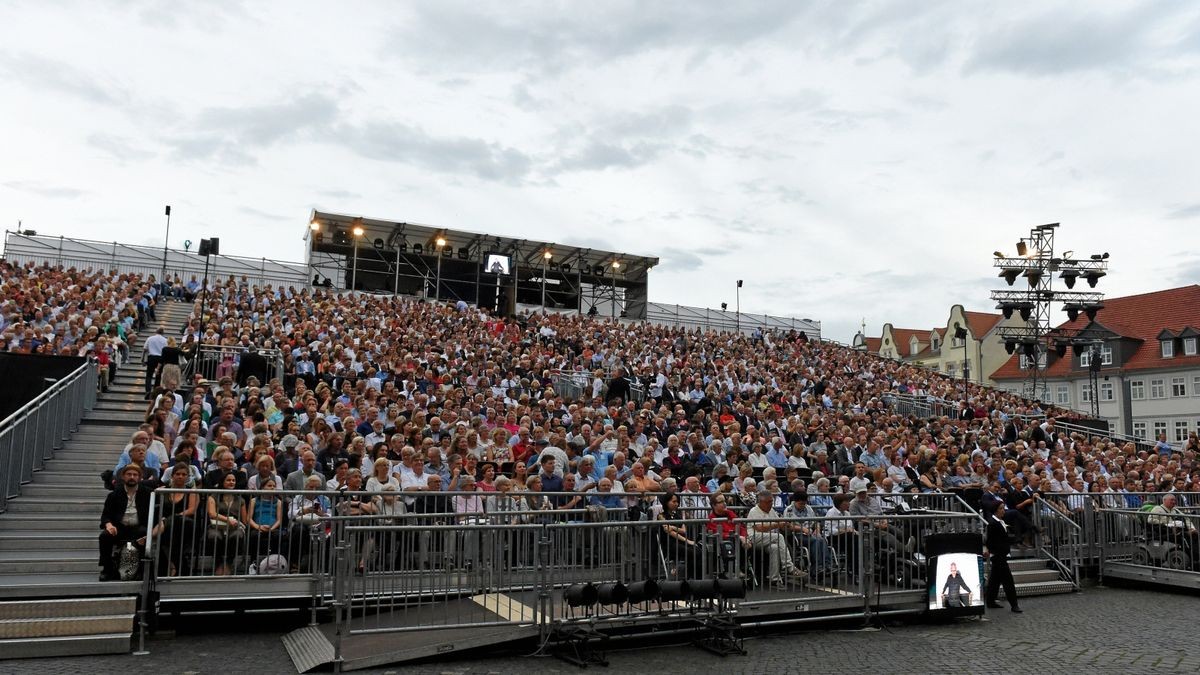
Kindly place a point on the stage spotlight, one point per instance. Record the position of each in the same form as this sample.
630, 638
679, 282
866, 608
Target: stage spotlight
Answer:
1081, 348
612, 593
1093, 276
1029, 348
464, 253
418, 249
358, 230
1022, 248
581, 595
731, 589
1091, 311
566, 268
669, 591
447, 251
378, 243
1060, 348
1026, 310
315, 226
1010, 346
440, 242
724, 306
703, 589
403, 247
1099, 256
1010, 274
641, 591
1006, 308
999, 255
1034, 276
1072, 311
1070, 276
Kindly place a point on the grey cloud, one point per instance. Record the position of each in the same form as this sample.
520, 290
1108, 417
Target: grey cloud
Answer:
263, 215
395, 142
229, 135
44, 190
1065, 40
122, 148
42, 74
1184, 212
780, 193
454, 35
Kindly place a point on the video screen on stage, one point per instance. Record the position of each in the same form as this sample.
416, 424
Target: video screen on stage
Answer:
957, 582
496, 264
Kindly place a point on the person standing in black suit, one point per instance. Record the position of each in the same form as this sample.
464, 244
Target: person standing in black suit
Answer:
998, 546
618, 386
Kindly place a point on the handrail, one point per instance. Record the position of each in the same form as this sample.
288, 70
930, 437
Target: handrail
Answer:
31, 434
50, 391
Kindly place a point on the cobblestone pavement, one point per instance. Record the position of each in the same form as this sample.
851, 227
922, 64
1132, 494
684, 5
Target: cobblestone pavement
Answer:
1101, 630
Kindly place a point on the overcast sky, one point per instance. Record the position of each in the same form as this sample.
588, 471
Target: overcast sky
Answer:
849, 160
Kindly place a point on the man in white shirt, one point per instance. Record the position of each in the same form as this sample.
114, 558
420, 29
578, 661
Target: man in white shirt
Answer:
154, 348
765, 537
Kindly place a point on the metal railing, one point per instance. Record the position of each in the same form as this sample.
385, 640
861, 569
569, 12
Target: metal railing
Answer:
576, 385
1142, 544
213, 362
723, 320
148, 260
31, 434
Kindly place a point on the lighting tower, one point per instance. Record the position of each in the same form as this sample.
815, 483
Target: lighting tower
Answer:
1037, 264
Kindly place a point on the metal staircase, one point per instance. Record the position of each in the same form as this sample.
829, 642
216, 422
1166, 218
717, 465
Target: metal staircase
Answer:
51, 600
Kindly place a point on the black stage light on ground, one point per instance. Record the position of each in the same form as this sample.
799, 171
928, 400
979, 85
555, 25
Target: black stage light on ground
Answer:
669, 591
703, 589
581, 595
1070, 276
613, 593
641, 591
731, 589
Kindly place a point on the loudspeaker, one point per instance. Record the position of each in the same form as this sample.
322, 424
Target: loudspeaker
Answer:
205, 247
214, 246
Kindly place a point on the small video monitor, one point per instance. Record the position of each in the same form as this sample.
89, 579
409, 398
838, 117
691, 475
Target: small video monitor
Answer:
496, 263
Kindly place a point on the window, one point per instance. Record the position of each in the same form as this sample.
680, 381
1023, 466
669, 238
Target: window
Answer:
1168, 348
1085, 359
1062, 394
1178, 386
1137, 389
1160, 428
1106, 355
1196, 385
1106, 391
1085, 393
950, 369
1139, 430
1189, 346
1181, 431
1158, 389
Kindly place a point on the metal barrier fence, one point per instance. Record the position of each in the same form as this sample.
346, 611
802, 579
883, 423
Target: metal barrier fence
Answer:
577, 385
31, 434
1142, 544
213, 362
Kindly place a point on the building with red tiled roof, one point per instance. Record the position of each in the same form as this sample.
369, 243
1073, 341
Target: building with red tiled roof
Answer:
941, 349
1149, 372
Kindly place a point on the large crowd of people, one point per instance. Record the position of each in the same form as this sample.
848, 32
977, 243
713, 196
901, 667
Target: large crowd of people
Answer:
387, 394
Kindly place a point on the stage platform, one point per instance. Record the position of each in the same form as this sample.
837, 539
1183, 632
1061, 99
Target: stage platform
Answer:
404, 636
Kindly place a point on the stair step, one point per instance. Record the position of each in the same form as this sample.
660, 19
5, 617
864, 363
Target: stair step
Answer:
1044, 588
83, 645
1034, 576
87, 566
77, 505
56, 522
1028, 564
93, 491
115, 418
103, 624
65, 609
77, 475
42, 541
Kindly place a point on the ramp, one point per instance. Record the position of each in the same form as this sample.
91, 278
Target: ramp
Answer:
312, 647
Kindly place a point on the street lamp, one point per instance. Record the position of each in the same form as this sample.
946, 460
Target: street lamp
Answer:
546, 256
616, 265
738, 308
358, 233
166, 240
314, 227
437, 290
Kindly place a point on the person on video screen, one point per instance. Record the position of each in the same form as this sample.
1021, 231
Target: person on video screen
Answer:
955, 592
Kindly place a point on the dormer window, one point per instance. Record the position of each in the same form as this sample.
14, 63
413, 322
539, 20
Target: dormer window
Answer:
913, 346
1168, 348
1189, 346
